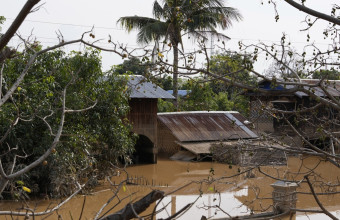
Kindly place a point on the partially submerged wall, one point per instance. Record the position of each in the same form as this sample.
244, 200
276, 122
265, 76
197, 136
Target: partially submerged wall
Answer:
248, 154
166, 140
143, 116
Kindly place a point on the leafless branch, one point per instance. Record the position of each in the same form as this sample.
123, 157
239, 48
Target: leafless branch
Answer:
313, 12
17, 23
45, 212
317, 199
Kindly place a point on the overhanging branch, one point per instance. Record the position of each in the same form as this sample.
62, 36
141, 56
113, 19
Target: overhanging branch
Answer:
17, 23
313, 12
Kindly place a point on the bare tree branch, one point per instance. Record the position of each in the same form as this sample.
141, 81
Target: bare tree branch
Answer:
313, 12
139, 206
17, 23
318, 201
80, 187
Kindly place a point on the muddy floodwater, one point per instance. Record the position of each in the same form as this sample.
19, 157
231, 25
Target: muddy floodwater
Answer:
215, 190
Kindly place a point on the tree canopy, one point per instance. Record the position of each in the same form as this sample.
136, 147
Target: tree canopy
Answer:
198, 19
131, 66
32, 116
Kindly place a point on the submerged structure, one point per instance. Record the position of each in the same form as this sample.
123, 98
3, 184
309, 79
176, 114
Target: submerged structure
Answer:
197, 131
302, 110
144, 96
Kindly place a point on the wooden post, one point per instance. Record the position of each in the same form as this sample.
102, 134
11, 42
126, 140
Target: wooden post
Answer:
284, 196
173, 205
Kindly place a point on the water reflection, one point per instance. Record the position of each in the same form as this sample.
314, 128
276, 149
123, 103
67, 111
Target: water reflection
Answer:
316, 216
236, 196
208, 205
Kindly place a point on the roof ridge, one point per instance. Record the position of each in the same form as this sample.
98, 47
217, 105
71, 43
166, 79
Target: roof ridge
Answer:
196, 112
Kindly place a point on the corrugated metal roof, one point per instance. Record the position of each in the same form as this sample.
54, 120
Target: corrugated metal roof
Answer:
142, 88
331, 86
180, 92
206, 126
204, 147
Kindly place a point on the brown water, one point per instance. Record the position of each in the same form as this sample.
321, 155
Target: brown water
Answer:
209, 188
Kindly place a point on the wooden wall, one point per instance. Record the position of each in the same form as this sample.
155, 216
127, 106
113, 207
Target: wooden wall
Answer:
166, 140
143, 117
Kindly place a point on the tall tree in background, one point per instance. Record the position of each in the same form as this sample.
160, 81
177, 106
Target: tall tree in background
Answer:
198, 18
331, 74
131, 66
232, 66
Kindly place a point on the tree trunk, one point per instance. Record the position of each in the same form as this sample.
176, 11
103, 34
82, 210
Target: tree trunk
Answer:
130, 210
175, 76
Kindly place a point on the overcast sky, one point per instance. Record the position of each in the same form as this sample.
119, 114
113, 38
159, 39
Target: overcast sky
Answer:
73, 17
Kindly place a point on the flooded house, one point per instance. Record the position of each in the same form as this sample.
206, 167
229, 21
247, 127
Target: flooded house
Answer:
190, 135
144, 96
308, 122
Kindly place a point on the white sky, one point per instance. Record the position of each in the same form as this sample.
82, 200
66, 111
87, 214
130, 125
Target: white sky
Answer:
73, 17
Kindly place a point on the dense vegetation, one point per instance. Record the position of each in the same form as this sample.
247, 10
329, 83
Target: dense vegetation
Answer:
211, 93
90, 139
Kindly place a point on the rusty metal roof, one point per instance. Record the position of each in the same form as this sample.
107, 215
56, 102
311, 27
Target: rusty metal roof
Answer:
142, 88
204, 147
206, 126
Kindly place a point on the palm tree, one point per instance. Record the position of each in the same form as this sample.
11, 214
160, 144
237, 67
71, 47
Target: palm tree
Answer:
197, 18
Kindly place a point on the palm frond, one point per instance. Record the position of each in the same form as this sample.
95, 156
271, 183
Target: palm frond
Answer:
228, 15
212, 4
135, 22
216, 17
152, 31
202, 19
158, 11
206, 35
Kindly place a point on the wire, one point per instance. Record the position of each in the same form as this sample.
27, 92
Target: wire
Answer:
122, 29
69, 24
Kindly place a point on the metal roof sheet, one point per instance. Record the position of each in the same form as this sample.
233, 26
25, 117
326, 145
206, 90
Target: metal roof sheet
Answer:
206, 126
331, 86
180, 92
142, 88
204, 147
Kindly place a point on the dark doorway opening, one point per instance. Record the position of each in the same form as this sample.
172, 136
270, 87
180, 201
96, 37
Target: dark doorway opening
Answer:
321, 143
143, 151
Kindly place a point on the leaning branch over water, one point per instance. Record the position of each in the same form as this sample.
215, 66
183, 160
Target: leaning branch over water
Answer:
132, 210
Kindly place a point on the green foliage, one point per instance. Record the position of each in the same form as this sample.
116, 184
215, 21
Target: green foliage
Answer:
165, 106
199, 99
198, 19
231, 66
165, 82
218, 95
331, 74
170, 19
223, 103
132, 66
2, 20
90, 140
